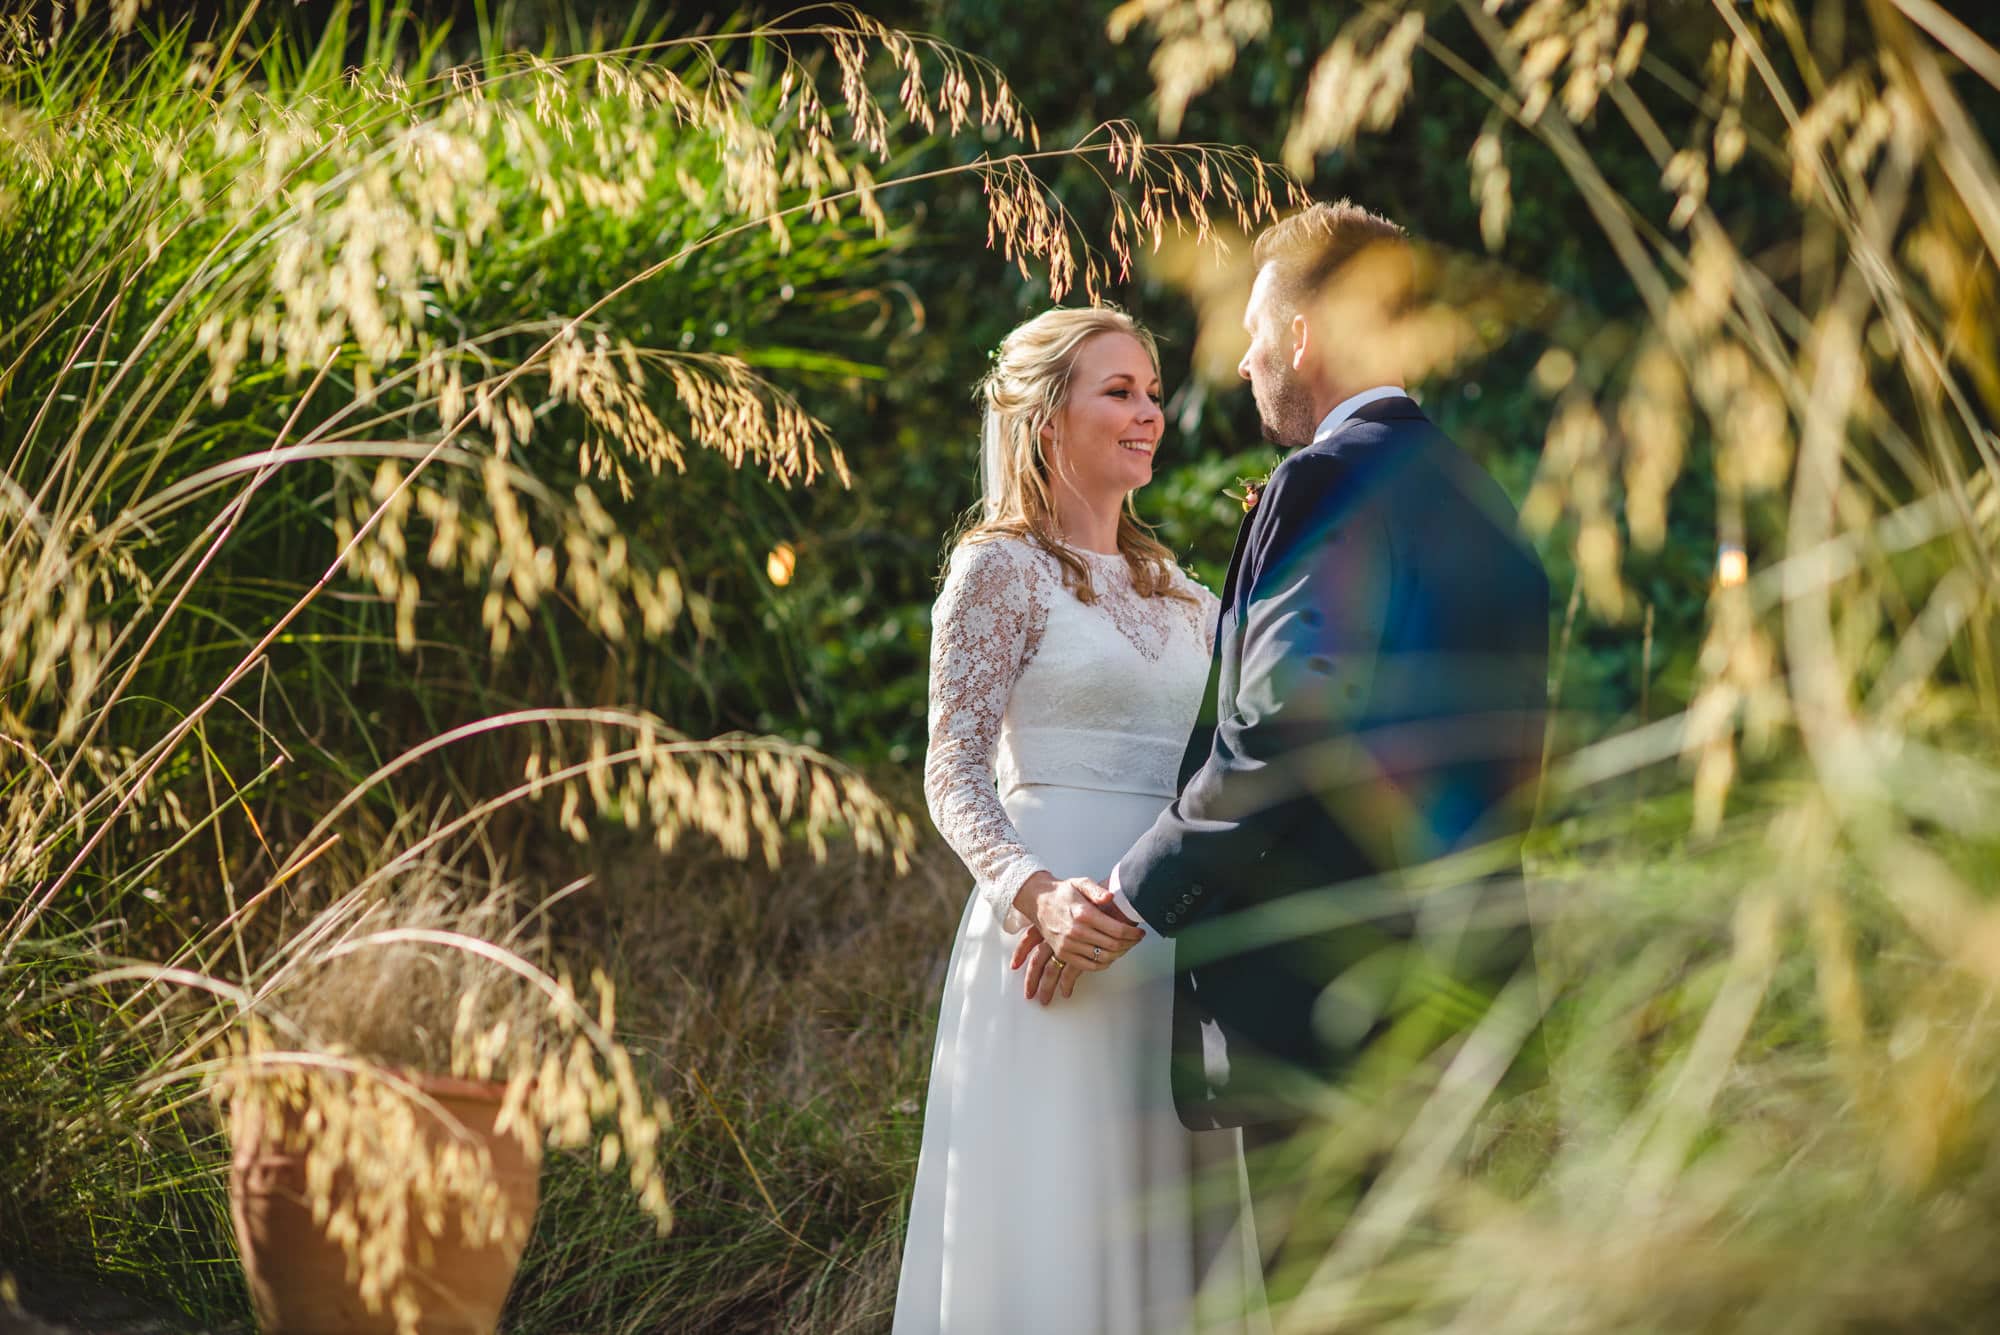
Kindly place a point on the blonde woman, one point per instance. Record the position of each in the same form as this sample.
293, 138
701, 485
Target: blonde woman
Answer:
1069, 654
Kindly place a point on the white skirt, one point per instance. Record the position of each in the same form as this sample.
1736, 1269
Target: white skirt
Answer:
1057, 1190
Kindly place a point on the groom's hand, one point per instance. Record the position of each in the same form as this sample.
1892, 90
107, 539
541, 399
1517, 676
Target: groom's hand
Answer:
1101, 896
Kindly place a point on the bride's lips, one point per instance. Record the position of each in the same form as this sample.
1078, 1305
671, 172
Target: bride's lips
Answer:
1141, 446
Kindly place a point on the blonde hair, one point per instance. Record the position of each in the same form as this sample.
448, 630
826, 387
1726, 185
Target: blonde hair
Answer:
1027, 387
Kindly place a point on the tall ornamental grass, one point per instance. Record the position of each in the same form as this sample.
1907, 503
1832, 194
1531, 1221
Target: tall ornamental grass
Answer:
1768, 936
359, 415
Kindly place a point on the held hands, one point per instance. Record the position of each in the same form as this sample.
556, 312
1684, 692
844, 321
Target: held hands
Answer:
1075, 927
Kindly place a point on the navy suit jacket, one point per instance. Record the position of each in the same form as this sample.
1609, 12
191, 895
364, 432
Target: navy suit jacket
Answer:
1375, 703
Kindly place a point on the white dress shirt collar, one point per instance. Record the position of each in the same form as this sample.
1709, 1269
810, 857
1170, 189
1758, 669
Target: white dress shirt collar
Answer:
1352, 404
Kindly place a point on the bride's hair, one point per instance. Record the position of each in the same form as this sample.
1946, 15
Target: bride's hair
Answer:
1027, 387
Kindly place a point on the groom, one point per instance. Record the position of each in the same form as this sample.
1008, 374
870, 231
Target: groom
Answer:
1375, 703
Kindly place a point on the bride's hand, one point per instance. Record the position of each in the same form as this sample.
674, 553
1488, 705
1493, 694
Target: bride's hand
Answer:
1044, 979
1069, 921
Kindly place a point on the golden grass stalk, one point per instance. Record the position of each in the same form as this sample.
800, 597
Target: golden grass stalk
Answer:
1757, 1118
327, 231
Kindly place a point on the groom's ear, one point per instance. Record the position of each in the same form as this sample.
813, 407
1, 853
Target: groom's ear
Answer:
1301, 341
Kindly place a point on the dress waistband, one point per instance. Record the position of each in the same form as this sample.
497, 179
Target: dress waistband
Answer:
1112, 762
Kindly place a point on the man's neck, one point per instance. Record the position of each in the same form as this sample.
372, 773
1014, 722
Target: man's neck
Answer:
1335, 412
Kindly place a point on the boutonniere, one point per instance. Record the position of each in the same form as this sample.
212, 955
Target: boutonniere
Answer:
1252, 491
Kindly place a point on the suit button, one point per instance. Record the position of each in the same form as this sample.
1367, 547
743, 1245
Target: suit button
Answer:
1173, 917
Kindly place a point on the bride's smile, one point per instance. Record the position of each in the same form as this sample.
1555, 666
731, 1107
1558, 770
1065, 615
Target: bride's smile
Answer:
1100, 443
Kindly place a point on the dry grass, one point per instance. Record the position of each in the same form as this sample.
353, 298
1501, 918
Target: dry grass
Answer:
1770, 954
790, 1017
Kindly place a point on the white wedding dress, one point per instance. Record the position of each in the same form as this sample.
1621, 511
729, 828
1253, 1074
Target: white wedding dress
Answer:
1057, 1191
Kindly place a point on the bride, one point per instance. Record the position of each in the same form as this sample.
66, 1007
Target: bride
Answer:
1057, 1189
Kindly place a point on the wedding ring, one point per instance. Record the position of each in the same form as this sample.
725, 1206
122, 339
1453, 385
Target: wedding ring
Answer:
1097, 952
1058, 964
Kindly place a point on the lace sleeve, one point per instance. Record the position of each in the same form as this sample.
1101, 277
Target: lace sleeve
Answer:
985, 627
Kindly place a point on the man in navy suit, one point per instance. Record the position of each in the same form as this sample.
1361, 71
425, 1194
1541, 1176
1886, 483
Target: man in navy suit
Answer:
1341, 867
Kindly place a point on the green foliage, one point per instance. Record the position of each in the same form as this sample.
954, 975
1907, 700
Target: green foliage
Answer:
306, 283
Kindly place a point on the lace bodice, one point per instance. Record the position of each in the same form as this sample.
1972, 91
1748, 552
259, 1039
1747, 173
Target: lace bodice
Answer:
1031, 685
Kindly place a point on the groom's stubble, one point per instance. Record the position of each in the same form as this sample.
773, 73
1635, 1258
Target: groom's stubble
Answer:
1285, 405
1285, 411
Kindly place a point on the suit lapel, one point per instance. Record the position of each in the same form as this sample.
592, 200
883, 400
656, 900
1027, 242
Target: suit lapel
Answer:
1227, 624
1235, 567
1203, 734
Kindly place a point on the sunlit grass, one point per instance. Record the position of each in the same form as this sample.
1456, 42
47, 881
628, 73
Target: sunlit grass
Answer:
357, 414
1767, 936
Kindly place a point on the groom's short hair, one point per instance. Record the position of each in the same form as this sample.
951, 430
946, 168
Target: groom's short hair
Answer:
1308, 250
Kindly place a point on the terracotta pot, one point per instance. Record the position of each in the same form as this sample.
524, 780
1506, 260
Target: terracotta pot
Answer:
298, 1276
